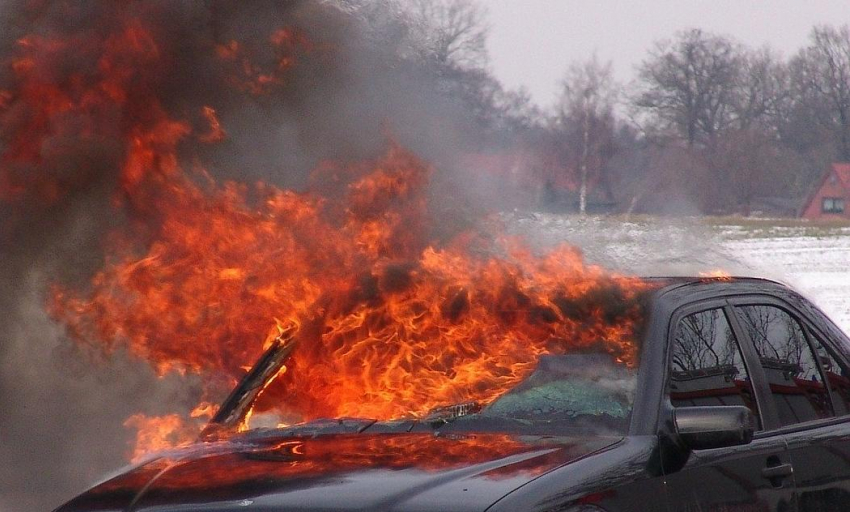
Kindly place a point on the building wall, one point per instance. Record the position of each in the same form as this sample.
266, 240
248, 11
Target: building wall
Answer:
832, 187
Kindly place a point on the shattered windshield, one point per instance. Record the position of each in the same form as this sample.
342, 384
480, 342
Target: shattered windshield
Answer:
577, 390
584, 393
582, 388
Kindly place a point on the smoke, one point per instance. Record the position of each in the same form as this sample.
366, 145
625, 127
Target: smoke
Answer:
352, 85
645, 246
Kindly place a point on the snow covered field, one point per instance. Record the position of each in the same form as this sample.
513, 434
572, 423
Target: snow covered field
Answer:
818, 265
813, 259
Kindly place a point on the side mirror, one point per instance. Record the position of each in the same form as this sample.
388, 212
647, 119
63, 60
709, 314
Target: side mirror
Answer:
703, 428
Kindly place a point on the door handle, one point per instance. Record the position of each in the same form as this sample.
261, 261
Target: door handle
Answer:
778, 472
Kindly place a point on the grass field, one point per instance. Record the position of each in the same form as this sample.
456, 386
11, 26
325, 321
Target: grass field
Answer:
814, 258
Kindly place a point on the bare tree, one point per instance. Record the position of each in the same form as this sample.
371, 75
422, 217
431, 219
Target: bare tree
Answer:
822, 76
761, 90
454, 31
741, 162
728, 103
667, 178
688, 84
387, 23
585, 121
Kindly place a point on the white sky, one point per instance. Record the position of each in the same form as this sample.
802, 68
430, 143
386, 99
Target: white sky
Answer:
532, 42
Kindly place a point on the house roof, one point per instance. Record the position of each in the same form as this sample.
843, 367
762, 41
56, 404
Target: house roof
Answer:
841, 170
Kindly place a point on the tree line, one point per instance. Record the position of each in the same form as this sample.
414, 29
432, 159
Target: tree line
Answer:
707, 125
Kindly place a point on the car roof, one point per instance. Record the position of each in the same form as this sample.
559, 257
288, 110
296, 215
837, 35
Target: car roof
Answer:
676, 291
670, 287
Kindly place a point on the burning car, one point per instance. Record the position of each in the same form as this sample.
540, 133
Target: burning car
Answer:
733, 394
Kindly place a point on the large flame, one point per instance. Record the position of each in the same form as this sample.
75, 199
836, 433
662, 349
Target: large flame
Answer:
392, 321
390, 326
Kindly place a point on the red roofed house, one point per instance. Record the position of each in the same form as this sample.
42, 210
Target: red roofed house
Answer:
831, 198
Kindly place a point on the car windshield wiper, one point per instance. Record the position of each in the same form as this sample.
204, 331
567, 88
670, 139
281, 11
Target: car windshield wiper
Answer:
234, 409
319, 427
435, 418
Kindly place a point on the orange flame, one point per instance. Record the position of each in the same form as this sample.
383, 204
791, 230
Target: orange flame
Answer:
216, 133
391, 326
716, 275
159, 433
392, 321
262, 79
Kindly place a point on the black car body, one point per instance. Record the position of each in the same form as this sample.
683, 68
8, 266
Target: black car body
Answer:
742, 402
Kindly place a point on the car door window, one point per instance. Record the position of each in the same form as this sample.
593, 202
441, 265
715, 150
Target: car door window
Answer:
836, 376
707, 368
790, 367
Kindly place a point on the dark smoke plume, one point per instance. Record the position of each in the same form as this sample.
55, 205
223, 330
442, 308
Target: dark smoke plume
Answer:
61, 405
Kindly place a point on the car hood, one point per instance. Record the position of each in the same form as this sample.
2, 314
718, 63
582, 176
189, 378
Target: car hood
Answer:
384, 472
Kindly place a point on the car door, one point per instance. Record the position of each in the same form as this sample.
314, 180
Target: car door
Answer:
810, 387
710, 365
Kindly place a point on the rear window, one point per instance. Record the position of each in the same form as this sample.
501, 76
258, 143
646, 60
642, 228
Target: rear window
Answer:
791, 368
